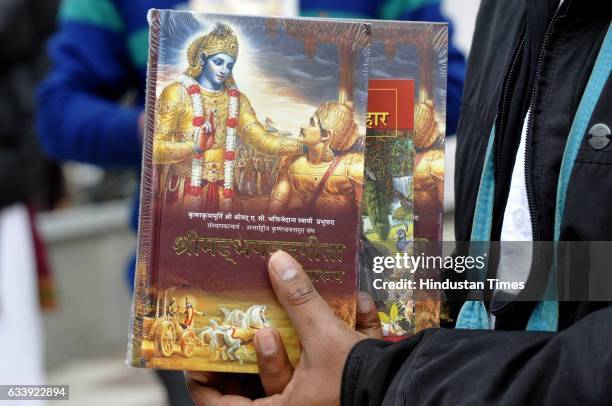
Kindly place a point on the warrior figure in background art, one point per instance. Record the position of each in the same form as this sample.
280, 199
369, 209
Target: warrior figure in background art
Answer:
172, 308
197, 122
428, 173
328, 179
190, 312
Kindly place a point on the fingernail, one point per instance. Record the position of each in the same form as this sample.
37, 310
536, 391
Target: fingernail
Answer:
201, 377
283, 265
363, 302
266, 342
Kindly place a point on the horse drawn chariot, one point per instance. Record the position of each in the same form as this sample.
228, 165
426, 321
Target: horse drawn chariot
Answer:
220, 339
166, 331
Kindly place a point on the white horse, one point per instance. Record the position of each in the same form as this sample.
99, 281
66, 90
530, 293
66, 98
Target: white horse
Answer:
208, 334
234, 318
224, 313
255, 317
212, 336
243, 333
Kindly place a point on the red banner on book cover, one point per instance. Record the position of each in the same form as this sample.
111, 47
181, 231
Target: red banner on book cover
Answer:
390, 104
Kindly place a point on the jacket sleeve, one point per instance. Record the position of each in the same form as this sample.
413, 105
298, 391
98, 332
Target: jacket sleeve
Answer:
475, 367
80, 116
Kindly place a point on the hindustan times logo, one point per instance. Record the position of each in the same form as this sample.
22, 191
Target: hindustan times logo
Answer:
413, 263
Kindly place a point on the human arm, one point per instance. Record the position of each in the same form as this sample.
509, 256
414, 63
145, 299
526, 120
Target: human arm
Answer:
254, 134
324, 338
441, 366
435, 367
298, 296
170, 107
281, 193
80, 116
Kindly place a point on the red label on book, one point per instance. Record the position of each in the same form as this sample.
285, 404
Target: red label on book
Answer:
391, 104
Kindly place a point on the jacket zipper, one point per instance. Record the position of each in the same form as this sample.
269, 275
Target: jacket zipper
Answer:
528, 137
528, 178
501, 122
528, 186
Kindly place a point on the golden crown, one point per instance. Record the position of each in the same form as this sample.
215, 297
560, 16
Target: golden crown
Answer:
221, 39
338, 117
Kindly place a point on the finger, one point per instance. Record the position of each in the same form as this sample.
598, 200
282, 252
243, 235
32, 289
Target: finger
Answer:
275, 400
294, 289
247, 385
367, 322
275, 370
203, 395
201, 377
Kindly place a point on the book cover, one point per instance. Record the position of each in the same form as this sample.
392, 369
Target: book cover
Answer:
254, 142
403, 202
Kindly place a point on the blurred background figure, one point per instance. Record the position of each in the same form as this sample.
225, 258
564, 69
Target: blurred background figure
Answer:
28, 182
90, 110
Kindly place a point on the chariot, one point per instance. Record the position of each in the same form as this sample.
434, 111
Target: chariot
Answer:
165, 330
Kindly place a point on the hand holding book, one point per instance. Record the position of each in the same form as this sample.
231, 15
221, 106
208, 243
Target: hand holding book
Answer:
326, 342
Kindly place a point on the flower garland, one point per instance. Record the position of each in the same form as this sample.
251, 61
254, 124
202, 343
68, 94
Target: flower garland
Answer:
230, 143
193, 90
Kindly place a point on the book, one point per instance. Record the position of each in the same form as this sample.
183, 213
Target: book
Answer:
254, 142
403, 202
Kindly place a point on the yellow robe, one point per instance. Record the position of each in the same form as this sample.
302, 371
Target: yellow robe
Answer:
173, 142
298, 181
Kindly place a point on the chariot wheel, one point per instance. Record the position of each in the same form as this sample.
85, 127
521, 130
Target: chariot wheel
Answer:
164, 339
188, 343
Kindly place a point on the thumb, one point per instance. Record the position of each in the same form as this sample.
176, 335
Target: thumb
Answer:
275, 370
367, 322
307, 310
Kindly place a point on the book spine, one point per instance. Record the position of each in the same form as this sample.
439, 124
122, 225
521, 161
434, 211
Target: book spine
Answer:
149, 212
429, 307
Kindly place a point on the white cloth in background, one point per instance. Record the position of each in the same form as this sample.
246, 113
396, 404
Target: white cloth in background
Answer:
21, 350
